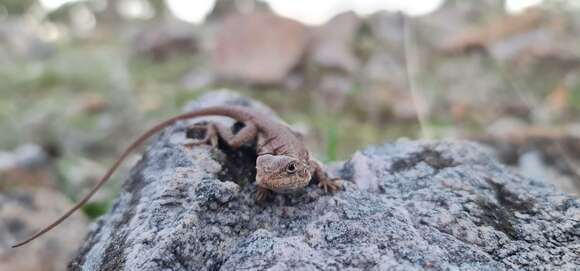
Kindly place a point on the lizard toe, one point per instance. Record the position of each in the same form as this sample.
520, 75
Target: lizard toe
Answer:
262, 194
323, 186
330, 185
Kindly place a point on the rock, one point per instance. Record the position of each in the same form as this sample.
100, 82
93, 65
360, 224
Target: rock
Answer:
258, 48
27, 165
333, 89
387, 68
377, 103
407, 107
484, 85
385, 61
546, 56
388, 29
551, 155
333, 43
531, 165
454, 17
26, 155
21, 214
520, 45
161, 41
223, 8
405, 206
495, 30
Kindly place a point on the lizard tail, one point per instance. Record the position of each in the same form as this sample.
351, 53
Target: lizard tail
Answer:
229, 111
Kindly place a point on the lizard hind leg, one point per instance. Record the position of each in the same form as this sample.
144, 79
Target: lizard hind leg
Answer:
210, 136
216, 131
246, 134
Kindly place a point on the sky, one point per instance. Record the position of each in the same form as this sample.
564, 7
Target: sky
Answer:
306, 11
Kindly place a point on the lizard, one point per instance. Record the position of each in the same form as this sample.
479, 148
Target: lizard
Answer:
283, 163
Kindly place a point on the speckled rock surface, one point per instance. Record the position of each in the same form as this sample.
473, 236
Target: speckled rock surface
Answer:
405, 206
23, 212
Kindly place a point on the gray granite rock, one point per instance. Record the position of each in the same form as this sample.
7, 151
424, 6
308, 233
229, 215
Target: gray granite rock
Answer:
405, 206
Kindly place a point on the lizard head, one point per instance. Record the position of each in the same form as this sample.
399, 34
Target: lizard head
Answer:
281, 173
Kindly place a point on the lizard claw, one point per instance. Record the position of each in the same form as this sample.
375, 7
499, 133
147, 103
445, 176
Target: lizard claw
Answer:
329, 185
262, 194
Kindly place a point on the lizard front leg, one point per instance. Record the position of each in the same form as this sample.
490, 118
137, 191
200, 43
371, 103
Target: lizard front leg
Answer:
214, 131
324, 181
262, 194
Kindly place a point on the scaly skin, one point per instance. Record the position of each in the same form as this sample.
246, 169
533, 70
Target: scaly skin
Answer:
283, 164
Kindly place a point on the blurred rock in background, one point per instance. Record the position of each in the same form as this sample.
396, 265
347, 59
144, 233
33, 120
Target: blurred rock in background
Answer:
22, 213
333, 43
161, 41
258, 47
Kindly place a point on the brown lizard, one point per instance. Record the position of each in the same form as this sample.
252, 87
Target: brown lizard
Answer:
283, 163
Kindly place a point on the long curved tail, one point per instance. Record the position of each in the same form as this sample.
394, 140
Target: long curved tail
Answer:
235, 112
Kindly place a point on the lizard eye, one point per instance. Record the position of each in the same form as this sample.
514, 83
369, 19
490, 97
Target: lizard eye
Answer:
291, 168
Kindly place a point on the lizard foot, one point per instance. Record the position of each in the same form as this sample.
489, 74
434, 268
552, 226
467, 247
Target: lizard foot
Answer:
329, 185
262, 194
210, 137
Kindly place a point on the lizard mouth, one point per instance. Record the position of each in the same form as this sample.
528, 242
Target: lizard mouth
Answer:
283, 185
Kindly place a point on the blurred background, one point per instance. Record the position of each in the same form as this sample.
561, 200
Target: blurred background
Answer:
81, 79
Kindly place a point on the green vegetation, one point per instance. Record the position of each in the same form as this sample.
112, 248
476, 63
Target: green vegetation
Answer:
96, 209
